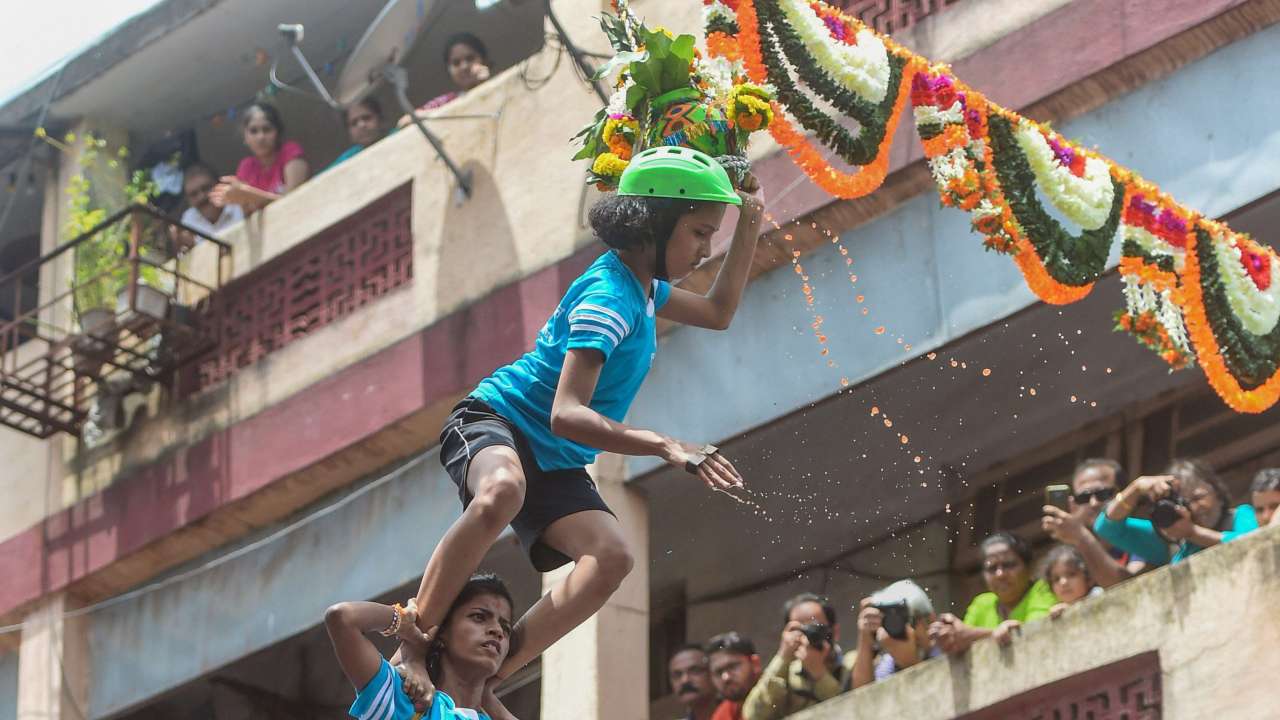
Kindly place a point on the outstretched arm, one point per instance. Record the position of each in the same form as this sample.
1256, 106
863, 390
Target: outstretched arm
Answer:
716, 309
347, 624
573, 418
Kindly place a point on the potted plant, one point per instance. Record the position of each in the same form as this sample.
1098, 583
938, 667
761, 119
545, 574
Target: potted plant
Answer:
100, 273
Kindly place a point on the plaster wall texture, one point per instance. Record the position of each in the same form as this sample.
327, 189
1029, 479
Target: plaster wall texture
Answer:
1211, 619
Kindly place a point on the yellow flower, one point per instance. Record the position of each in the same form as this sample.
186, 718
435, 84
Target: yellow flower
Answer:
41, 132
664, 31
608, 165
69, 138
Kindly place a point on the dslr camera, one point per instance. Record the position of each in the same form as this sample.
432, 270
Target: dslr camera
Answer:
896, 617
819, 635
1165, 512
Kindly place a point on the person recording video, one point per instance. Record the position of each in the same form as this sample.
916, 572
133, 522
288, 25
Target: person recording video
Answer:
893, 632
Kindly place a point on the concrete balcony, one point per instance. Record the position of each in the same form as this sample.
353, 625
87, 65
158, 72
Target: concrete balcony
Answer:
1189, 641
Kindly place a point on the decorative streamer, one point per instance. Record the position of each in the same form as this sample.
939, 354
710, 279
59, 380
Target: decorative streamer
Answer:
1196, 292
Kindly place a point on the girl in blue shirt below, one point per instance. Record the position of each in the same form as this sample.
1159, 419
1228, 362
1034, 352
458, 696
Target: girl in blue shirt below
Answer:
462, 655
1204, 520
518, 446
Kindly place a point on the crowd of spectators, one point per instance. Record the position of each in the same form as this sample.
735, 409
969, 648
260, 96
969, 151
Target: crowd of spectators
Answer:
1105, 531
276, 165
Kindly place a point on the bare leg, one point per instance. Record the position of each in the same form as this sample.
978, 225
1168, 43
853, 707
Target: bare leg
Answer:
496, 482
594, 540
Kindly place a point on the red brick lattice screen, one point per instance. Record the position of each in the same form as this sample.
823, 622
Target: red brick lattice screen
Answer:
890, 16
343, 268
1125, 690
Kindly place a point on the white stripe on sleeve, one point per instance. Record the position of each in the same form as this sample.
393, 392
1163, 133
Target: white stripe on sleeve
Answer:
602, 319
626, 327
377, 708
613, 339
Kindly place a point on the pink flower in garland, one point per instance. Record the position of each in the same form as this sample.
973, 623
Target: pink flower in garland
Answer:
1172, 229
835, 27
1258, 265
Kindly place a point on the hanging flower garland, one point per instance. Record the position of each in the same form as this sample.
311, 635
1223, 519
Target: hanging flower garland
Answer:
872, 157
1241, 366
1195, 292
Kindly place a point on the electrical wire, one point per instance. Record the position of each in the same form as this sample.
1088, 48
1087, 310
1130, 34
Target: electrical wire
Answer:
31, 144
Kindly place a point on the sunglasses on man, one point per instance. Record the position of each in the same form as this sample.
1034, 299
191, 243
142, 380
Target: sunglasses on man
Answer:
1102, 494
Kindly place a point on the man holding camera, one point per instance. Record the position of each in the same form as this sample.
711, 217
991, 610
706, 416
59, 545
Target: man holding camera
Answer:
895, 622
809, 666
1093, 484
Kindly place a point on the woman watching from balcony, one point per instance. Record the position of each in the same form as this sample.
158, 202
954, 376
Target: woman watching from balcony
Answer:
1191, 511
274, 168
517, 447
1013, 598
461, 656
467, 60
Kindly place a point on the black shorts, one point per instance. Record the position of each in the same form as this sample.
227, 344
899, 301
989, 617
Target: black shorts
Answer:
548, 495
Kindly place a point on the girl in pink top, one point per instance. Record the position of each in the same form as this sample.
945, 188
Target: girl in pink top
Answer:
467, 60
274, 168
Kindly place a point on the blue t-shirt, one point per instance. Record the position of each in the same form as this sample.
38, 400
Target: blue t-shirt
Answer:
607, 309
384, 698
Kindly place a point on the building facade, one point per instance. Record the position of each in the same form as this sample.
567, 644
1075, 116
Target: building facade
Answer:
181, 566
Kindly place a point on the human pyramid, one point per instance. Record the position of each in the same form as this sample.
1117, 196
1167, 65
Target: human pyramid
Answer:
670, 151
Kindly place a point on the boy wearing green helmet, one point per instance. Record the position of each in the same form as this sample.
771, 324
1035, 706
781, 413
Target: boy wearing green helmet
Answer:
518, 446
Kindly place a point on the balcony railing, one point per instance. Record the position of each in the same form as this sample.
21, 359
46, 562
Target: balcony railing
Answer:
128, 316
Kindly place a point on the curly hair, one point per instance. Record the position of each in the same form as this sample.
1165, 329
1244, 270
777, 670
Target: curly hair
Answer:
479, 584
624, 222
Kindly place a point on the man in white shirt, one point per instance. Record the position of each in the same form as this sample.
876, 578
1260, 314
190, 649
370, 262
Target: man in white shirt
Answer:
202, 214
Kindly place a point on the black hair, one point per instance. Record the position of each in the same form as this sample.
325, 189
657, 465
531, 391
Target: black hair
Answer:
269, 112
731, 642
805, 597
624, 222
197, 168
1015, 543
371, 103
479, 584
1267, 480
471, 41
1192, 470
1060, 553
1116, 468
686, 647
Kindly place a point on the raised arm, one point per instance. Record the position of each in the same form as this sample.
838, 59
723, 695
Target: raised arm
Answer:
347, 624
716, 309
573, 418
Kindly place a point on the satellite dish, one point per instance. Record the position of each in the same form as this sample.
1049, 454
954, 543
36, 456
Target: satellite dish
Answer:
377, 58
387, 42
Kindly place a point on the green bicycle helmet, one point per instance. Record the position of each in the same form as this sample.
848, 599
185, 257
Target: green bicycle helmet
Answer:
682, 173
679, 173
